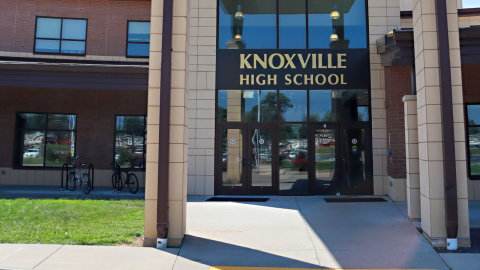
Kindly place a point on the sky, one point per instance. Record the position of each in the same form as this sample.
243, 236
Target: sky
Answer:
471, 4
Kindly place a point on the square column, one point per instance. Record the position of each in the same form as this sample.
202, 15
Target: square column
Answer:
178, 130
411, 147
430, 122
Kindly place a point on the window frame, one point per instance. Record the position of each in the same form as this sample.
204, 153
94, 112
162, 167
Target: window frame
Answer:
127, 42
144, 141
16, 140
467, 140
60, 40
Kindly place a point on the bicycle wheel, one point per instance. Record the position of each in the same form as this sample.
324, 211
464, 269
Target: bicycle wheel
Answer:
72, 181
86, 184
114, 180
132, 183
120, 182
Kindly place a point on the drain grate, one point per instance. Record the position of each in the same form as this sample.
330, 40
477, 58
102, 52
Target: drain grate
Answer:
236, 199
341, 200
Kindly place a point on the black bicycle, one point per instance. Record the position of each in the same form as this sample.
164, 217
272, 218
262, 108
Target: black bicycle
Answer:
121, 177
82, 178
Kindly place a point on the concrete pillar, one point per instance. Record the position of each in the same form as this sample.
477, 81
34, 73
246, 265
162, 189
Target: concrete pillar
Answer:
384, 16
430, 138
411, 151
178, 144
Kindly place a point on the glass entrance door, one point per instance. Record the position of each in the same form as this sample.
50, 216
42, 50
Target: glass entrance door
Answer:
341, 154
246, 159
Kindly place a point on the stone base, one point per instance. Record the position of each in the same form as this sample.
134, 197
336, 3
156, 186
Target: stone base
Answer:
397, 189
172, 242
415, 219
442, 242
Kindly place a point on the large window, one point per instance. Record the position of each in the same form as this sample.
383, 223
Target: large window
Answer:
130, 141
292, 24
473, 129
293, 105
60, 36
138, 44
44, 140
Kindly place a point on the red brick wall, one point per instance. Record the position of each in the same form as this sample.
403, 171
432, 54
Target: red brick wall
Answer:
95, 109
471, 83
397, 85
106, 30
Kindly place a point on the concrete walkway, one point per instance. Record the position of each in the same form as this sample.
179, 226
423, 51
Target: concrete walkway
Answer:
302, 232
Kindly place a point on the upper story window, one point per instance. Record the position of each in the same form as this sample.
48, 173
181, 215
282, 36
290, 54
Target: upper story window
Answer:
60, 36
138, 37
292, 24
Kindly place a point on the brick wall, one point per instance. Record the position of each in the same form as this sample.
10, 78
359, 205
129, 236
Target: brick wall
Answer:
95, 109
397, 85
471, 83
106, 30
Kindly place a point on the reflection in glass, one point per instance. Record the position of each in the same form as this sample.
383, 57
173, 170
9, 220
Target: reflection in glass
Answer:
473, 112
345, 19
138, 49
261, 157
338, 105
62, 121
232, 157
130, 137
33, 148
325, 157
292, 24
74, 29
247, 24
247, 105
293, 159
139, 32
354, 163
47, 46
48, 28
31, 121
76, 47
474, 147
59, 145
293, 105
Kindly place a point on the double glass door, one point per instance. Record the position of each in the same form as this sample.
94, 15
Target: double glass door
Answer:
246, 159
342, 159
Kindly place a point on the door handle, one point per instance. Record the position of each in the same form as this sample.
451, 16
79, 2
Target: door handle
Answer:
249, 162
243, 162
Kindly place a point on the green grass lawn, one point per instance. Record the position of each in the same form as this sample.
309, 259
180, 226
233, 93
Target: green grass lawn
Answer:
71, 222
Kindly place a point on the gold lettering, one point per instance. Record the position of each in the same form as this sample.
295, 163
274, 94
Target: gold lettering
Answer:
341, 79
308, 78
244, 61
253, 79
274, 79
324, 79
330, 79
314, 61
341, 60
320, 61
257, 59
287, 78
289, 61
242, 79
295, 79
330, 61
304, 63
258, 80
270, 61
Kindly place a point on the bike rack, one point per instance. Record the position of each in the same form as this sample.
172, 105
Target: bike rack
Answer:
92, 175
64, 167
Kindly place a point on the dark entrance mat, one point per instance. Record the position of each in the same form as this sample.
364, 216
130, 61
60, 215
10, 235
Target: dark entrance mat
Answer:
343, 200
236, 199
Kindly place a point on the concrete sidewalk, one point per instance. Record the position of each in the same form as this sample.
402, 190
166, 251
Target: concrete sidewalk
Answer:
300, 232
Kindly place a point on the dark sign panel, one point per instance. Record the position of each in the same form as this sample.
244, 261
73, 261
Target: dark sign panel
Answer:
293, 69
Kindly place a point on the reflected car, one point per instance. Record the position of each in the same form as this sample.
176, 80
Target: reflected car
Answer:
292, 154
32, 153
224, 161
474, 143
